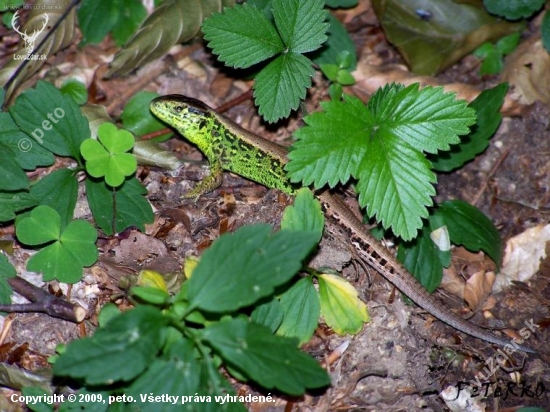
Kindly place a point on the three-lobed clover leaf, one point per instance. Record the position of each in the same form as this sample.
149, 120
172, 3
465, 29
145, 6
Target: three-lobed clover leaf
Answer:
107, 157
68, 250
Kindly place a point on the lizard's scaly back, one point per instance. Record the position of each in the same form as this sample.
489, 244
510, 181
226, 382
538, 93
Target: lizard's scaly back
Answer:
223, 141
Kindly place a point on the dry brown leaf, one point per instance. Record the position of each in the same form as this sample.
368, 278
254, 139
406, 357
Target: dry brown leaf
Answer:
140, 251
477, 288
371, 77
523, 255
452, 282
527, 70
173, 22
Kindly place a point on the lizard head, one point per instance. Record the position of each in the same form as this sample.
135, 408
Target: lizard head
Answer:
185, 114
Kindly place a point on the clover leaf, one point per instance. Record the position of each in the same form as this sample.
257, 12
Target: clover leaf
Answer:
67, 251
107, 157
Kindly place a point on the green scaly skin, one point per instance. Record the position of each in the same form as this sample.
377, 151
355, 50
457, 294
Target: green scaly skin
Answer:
224, 149
227, 146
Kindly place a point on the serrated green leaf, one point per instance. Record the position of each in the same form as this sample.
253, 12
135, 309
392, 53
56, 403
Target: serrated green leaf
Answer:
12, 177
469, 227
396, 185
272, 361
305, 214
269, 314
341, 307
428, 119
240, 268
301, 310
383, 147
487, 106
120, 351
330, 148
59, 190
281, 85
52, 119
513, 9
300, 23
12, 202
127, 202
242, 36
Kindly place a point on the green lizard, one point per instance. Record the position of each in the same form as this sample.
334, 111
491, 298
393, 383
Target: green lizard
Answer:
227, 146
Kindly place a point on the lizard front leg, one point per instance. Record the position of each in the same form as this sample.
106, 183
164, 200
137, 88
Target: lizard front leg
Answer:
209, 183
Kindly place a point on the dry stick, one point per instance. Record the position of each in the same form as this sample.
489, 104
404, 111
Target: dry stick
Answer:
236, 101
43, 302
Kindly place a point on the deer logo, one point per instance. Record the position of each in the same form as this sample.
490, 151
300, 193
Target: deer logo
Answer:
29, 40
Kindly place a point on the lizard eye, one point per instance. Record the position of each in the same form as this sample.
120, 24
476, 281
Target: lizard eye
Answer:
195, 110
178, 109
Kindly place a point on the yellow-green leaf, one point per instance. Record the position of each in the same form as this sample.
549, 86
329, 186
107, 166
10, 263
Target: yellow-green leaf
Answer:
340, 305
152, 279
